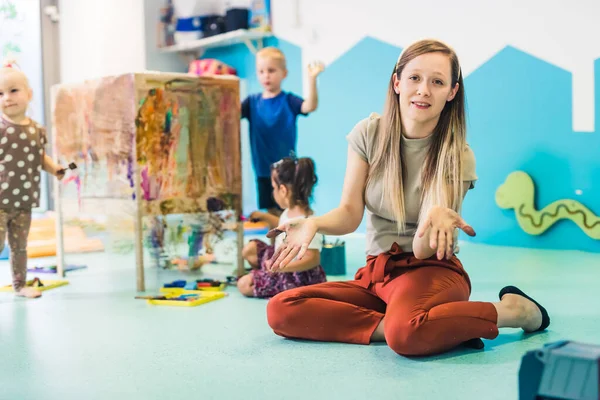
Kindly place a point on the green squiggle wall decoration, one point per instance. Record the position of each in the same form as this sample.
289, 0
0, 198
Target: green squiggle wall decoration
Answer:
518, 193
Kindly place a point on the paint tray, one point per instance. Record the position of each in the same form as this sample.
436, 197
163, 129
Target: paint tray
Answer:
178, 291
48, 284
204, 297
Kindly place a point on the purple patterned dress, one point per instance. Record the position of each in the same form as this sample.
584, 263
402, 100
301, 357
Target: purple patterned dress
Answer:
267, 284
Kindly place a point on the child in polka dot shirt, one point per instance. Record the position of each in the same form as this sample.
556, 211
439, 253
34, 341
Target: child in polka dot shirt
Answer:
22, 157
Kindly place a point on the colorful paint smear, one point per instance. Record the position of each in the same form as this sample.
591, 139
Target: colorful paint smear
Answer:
94, 126
188, 142
182, 132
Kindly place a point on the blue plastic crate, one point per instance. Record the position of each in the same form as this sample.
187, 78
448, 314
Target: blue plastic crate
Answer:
562, 370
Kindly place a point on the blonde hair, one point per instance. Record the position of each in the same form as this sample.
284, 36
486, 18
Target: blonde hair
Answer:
10, 66
274, 54
441, 178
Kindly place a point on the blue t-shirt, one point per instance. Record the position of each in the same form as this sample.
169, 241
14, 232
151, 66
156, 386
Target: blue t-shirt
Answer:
273, 130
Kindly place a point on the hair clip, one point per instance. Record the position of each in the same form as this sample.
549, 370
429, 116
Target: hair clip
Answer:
10, 63
291, 157
276, 164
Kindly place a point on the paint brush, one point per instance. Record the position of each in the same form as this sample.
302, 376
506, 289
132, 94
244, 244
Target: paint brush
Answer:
151, 297
274, 233
63, 171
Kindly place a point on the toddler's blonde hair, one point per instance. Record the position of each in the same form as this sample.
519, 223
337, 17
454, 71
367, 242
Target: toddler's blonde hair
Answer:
274, 54
10, 66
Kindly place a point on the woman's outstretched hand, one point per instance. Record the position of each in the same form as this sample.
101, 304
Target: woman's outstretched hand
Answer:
299, 233
442, 222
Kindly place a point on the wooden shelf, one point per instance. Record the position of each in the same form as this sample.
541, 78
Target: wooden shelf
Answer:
221, 40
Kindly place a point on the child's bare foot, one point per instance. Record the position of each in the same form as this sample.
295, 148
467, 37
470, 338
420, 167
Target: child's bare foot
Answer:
204, 259
181, 263
207, 258
184, 264
28, 292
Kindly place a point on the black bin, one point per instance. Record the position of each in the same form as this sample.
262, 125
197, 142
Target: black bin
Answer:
236, 18
212, 25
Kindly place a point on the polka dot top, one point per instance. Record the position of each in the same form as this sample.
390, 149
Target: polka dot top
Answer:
21, 155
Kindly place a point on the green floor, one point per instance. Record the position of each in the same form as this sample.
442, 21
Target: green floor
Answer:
92, 340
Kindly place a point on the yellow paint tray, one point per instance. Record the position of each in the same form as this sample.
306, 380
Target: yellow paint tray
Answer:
219, 288
204, 297
48, 284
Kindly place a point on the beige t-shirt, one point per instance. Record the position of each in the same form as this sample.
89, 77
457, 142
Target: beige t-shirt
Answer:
382, 231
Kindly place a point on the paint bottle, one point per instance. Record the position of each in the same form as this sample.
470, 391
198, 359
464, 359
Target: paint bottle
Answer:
260, 15
166, 25
189, 24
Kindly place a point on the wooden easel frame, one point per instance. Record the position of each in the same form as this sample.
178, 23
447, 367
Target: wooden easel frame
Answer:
142, 81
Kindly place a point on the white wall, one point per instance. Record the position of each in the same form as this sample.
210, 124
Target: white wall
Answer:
24, 33
100, 38
564, 34
116, 36
109, 37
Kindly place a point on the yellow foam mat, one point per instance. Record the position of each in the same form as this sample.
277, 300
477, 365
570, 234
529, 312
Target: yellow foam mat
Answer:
204, 297
249, 225
48, 284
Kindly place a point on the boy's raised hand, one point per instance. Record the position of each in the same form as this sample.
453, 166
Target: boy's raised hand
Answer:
315, 68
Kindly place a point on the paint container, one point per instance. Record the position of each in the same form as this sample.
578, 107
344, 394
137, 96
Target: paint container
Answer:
188, 29
210, 66
166, 26
333, 258
212, 25
260, 15
189, 24
236, 18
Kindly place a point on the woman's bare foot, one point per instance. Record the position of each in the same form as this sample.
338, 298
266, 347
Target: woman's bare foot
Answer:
28, 292
515, 311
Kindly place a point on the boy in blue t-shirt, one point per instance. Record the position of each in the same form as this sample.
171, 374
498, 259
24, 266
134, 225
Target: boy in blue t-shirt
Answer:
272, 118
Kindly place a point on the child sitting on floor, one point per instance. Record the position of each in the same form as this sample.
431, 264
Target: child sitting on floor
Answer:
292, 181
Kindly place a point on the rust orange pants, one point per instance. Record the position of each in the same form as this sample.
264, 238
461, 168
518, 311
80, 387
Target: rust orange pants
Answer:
425, 304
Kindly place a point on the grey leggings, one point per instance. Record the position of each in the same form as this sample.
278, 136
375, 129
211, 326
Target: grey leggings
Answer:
16, 223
